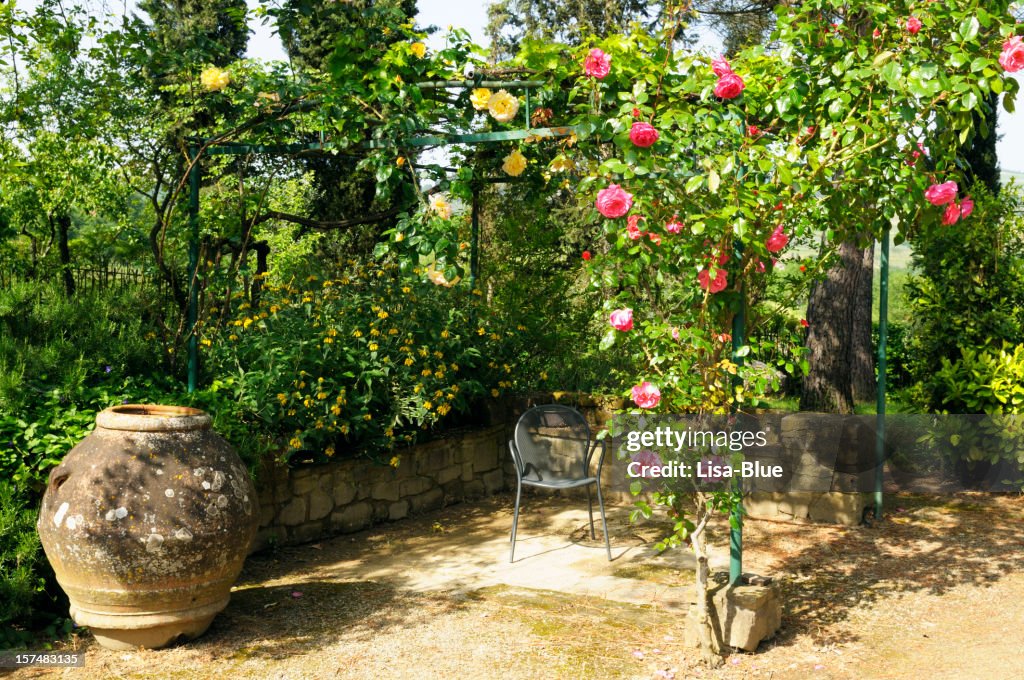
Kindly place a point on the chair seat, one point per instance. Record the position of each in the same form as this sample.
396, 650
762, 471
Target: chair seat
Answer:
559, 483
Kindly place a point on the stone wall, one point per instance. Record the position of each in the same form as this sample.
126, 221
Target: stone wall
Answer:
303, 504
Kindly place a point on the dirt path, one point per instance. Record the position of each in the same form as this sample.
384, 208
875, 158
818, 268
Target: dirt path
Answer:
937, 591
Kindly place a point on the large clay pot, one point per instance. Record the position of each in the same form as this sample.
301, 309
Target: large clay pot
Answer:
147, 523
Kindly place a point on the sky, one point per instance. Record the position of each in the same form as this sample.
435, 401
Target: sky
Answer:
472, 15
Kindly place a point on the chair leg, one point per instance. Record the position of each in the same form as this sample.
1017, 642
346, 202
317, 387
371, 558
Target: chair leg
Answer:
515, 522
604, 522
590, 509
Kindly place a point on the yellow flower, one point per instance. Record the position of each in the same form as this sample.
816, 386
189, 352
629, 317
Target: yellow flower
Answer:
480, 97
343, 429
441, 206
502, 106
495, 393
357, 333
205, 342
373, 347
328, 341
247, 323
406, 289
419, 49
329, 451
443, 409
307, 402
543, 375
368, 417
291, 411
392, 331
445, 333
232, 337
427, 405
481, 331
321, 395
399, 237
374, 332
214, 79
295, 443
382, 314
561, 164
410, 361
514, 164
400, 161
395, 461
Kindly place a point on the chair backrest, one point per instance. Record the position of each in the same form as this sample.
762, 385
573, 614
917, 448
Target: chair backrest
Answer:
553, 441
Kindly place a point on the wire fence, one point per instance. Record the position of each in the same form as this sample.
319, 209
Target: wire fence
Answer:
88, 279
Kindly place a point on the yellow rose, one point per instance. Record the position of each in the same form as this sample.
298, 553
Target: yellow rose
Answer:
480, 97
503, 106
214, 79
441, 206
514, 164
419, 49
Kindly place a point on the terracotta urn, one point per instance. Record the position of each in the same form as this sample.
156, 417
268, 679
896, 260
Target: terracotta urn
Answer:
147, 522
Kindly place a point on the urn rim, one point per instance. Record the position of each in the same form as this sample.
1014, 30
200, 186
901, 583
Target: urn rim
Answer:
153, 418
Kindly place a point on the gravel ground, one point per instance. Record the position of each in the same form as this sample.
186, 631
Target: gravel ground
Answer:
935, 591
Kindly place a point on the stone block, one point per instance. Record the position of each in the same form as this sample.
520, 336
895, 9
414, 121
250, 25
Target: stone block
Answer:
306, 533
447, 474
304, 480
452, 491
839, 508
429, 500
344, 492
380, 511
467, 472
742, 616
761, 504
398, 510
795, 504
474, 489
486, 458
294, 513
320, 504
494, 481
385, 491
413, 486
353, 517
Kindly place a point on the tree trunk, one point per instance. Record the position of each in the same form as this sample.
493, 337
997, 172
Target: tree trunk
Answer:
63, 230
832, 338
863, 361
707, 639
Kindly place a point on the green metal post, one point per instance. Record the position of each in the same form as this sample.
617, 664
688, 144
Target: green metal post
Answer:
193, 269
739, 338
883, 337
474, 245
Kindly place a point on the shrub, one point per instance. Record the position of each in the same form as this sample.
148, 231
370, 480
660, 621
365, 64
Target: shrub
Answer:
367, 360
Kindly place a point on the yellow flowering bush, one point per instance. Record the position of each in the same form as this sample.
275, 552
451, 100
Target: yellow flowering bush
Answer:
480, 98
366, 361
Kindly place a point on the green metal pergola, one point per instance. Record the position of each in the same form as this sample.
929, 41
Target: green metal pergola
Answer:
199, 146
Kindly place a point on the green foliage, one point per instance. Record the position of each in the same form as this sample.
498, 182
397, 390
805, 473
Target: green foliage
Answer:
968, 293
983, 380
899, 354
362, 362
20, 553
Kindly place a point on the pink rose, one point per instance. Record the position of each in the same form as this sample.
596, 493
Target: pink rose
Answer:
720, 66
646, 395
941, 194
913, 25
876, 34
674, 227
722, 259
1012, 58
655, 238
622, 319
729, 86
613, 202
719, 283
952, 214
597, 64
777, 241
675, 333
753, 130
643, 134
966, 207
633, 227
646, 459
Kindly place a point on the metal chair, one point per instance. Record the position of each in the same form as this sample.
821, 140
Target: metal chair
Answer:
552, 449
